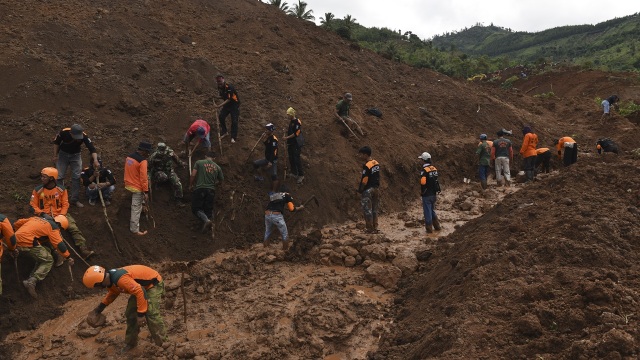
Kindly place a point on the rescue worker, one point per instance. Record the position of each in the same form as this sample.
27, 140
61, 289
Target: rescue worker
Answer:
295, 141
52, 199
606, 145
67, 153
273, 215
270, 161
146, 287
7, 234
100, 179
230, 105
484, 153
502, 153
137, 182
205, 176
528, 152
570, 150
429, 190
201, 129
368, 188
342, 112
543, 157
29, 235
608, 102
161, 163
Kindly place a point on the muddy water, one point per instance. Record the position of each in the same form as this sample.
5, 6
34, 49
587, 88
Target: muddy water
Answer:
275, 310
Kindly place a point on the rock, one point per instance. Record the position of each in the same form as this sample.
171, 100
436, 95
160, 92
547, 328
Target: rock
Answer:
185, 352
200, 290
88, 332
406, 261
335, 258
374, 251
466, 205
349, 261
616, 340
566, 201
528, 325
350, 251
270, 258
384, 274
423, 255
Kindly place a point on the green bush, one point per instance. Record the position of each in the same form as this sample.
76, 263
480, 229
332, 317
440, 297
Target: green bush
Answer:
546, 95
507, 84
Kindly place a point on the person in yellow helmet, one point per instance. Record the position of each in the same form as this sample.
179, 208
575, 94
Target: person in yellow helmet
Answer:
146, 287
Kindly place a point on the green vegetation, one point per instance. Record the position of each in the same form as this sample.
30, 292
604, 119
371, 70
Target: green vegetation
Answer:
546, 95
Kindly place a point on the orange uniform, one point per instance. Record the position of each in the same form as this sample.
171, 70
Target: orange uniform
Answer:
6, 231
29, 231
135, 173
529, 144
133, 280
541, 151
561, 143
50, 201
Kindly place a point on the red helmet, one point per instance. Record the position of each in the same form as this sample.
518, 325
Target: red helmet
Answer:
50, 172
93, 275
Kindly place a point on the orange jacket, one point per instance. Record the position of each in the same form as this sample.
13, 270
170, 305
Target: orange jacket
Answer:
561, 143
50, 201
541, 151
135, 173
529, 144
133, 280
30, 232
6, 231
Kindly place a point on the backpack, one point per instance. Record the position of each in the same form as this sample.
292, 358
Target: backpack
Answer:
374, 111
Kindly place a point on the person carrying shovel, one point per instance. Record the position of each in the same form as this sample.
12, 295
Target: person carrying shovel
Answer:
273, 215
6, 232
201, 130
342, 114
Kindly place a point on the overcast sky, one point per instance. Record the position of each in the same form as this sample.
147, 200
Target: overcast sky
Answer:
427, 18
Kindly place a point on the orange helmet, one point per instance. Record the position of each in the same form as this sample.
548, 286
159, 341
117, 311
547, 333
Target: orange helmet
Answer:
62, 220
93, 275
50, 172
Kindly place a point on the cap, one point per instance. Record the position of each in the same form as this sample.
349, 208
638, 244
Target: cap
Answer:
201, 131
145, 146
291, 111
162, 147
425, 156
483, 136
526, 130
270, 127
77, 132
219, 75
348, 96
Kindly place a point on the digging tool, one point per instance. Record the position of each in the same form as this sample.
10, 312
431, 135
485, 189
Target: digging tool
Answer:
71, 273
286, 157
148, 213
254, 146
345, 124
218, 127
104, 209
15, 264
191, 153
313, 197
75, 252
233, 212
184, 297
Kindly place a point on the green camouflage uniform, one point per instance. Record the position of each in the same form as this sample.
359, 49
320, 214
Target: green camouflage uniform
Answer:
155, 323
161, 165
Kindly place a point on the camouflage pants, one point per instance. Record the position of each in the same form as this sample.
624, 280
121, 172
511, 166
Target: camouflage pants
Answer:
162, 176
155, 322
370, 202
75, 232
43, 258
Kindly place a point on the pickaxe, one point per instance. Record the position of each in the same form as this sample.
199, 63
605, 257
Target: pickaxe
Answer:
313, 197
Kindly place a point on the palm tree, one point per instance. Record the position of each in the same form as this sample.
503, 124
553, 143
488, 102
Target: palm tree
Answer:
282, 5
349, 22
327, 20
300, 11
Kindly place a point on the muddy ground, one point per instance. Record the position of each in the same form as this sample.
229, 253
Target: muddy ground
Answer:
546, 271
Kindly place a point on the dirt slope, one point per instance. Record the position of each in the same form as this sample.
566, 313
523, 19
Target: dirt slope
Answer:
145, 71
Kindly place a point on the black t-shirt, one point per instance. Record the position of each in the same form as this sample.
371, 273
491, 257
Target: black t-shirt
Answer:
278, 200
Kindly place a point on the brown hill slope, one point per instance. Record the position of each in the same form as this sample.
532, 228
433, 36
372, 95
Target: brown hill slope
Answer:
145, 71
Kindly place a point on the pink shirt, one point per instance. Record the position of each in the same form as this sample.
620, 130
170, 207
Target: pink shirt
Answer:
194, 128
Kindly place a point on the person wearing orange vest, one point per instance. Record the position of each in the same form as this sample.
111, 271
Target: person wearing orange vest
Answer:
429, 190
368, 188
528, 152
6, 232
543, 156
29, 235
53, 199
570, 150
137, 182
146, 287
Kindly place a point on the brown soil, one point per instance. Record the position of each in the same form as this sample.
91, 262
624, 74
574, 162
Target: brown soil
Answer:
549, 271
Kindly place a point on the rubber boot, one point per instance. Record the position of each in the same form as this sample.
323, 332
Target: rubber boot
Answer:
85, 251
429, 228
436, 225
375, 223
59, 260
483, 184
30, 285
368, 225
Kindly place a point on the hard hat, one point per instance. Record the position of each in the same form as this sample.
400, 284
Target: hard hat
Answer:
483, 136
425, 156
62, 220
270, 127
50, 172
162, 147
93, 276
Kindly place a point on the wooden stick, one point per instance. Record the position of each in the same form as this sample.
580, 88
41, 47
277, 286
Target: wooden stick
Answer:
254, 146
218, 126
345, 124
286, 157
184, 298
104, 208
75, 252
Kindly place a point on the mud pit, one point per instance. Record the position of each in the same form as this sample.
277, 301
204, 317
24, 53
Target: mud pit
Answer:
328, 301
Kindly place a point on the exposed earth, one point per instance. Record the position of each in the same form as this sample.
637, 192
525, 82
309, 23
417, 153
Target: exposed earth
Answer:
541, 270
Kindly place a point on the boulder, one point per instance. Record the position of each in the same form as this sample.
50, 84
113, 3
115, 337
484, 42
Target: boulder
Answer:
384, 274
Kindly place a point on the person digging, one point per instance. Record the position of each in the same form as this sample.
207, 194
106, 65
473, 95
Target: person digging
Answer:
273, 215
146, 287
